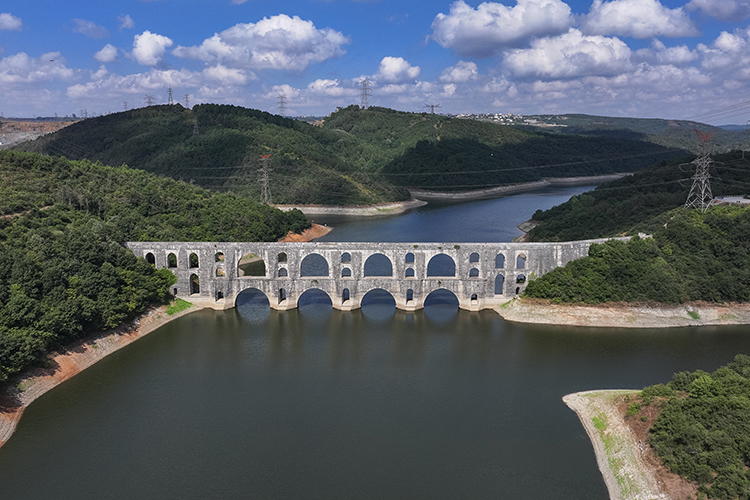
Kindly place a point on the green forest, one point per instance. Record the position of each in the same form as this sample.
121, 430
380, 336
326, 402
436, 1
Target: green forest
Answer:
702, 432
357, 157
693, 257
63, 270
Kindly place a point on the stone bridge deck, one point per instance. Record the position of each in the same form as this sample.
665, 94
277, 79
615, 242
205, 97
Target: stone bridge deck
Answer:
481, 275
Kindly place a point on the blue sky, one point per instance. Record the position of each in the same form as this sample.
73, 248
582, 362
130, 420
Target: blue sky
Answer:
642, 58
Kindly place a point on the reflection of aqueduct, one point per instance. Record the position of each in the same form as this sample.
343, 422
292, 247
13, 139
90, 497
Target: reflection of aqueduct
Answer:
481, 275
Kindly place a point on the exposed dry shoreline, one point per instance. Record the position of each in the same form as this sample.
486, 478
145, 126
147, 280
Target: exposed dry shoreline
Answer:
394, 208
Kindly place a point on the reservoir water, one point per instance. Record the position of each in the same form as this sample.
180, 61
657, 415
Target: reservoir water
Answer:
370, 404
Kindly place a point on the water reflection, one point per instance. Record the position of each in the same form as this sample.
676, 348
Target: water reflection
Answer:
441, 306
378, 305
253, 306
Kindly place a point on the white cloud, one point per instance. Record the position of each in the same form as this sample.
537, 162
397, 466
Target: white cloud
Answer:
463, 71
228, 76
493, 26
100, 73
107, 54
126, 22
723, 10
571, 55
396, 70
330, 88
661, 54
279, 42
727, 52
116, 86
149, 48
637, 19
10, 22
22, 69
89, 29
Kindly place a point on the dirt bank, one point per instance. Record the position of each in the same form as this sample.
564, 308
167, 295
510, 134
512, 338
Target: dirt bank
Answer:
394, 208
313, 233
26, 387
524, 310
619, 455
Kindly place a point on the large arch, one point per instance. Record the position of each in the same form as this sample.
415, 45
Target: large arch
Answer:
378, 304
151, 259
313, 297
441, 265
441, 305
314, 265
378, 264
253, 305
251, 264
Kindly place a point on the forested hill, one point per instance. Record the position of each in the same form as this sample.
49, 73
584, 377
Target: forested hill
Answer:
63, 270
357, 157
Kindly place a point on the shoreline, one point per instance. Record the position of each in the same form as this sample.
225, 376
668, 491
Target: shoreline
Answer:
394, 208
620, 457
543, 312
313, 233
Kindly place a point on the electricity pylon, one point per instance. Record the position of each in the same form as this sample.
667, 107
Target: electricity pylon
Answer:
265, 179
700, 196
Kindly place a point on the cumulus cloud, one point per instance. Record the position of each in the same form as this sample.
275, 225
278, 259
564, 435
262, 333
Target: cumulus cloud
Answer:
571, 55
126, 22
278, 42
116, 86
22, 69
463, 71
661, 54
728, 51
89, 29
396, 70
10, 22
149, 48
107, 54
492, 26
228, 76
723, 10
330, 88
637, 19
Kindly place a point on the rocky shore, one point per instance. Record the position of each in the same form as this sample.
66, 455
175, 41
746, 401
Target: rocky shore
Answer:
394, 208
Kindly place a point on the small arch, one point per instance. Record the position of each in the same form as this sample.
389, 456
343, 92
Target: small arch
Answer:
521, 278
282, 295
474, 257
346, 273
518, 289
521, 262
499, 284
220, 273
346, 257
219, 257
251, 264
441, 265
195, 284
409, 258
281, 258
171, 261
474, 298
474, 273
409, 295
219, 295
378, 264
345, 295
151, 259
194, 261
283, 273
314, 265
409, 272
499, 261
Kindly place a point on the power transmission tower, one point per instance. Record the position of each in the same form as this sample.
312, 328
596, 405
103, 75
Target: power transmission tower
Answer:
282, 104
700, 196
149, 100
170, 98
365, 92
432, 107
125, 105
265, 179
187, 101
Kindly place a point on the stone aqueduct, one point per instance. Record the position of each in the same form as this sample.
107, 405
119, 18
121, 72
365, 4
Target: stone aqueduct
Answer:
481, 275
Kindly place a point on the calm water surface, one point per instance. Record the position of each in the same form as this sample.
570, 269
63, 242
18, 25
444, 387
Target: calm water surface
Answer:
316, 403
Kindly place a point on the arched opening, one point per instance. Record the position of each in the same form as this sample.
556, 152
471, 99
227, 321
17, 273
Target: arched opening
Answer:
315, 303
314, 265
345, 296
521, 278
378, 304
194, 261
282, 295
474, 298
409, 273
195, 284
409, 258
281, 258
219, 294
441, 265
220, 273
251, 264
151, 259
253, 305
378, 265
346, 257
521, 262
171, 261
499, 284
474, 257
499, 261
474, 273
441, 306
409, 295
219, 257
283, 273
346, 273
